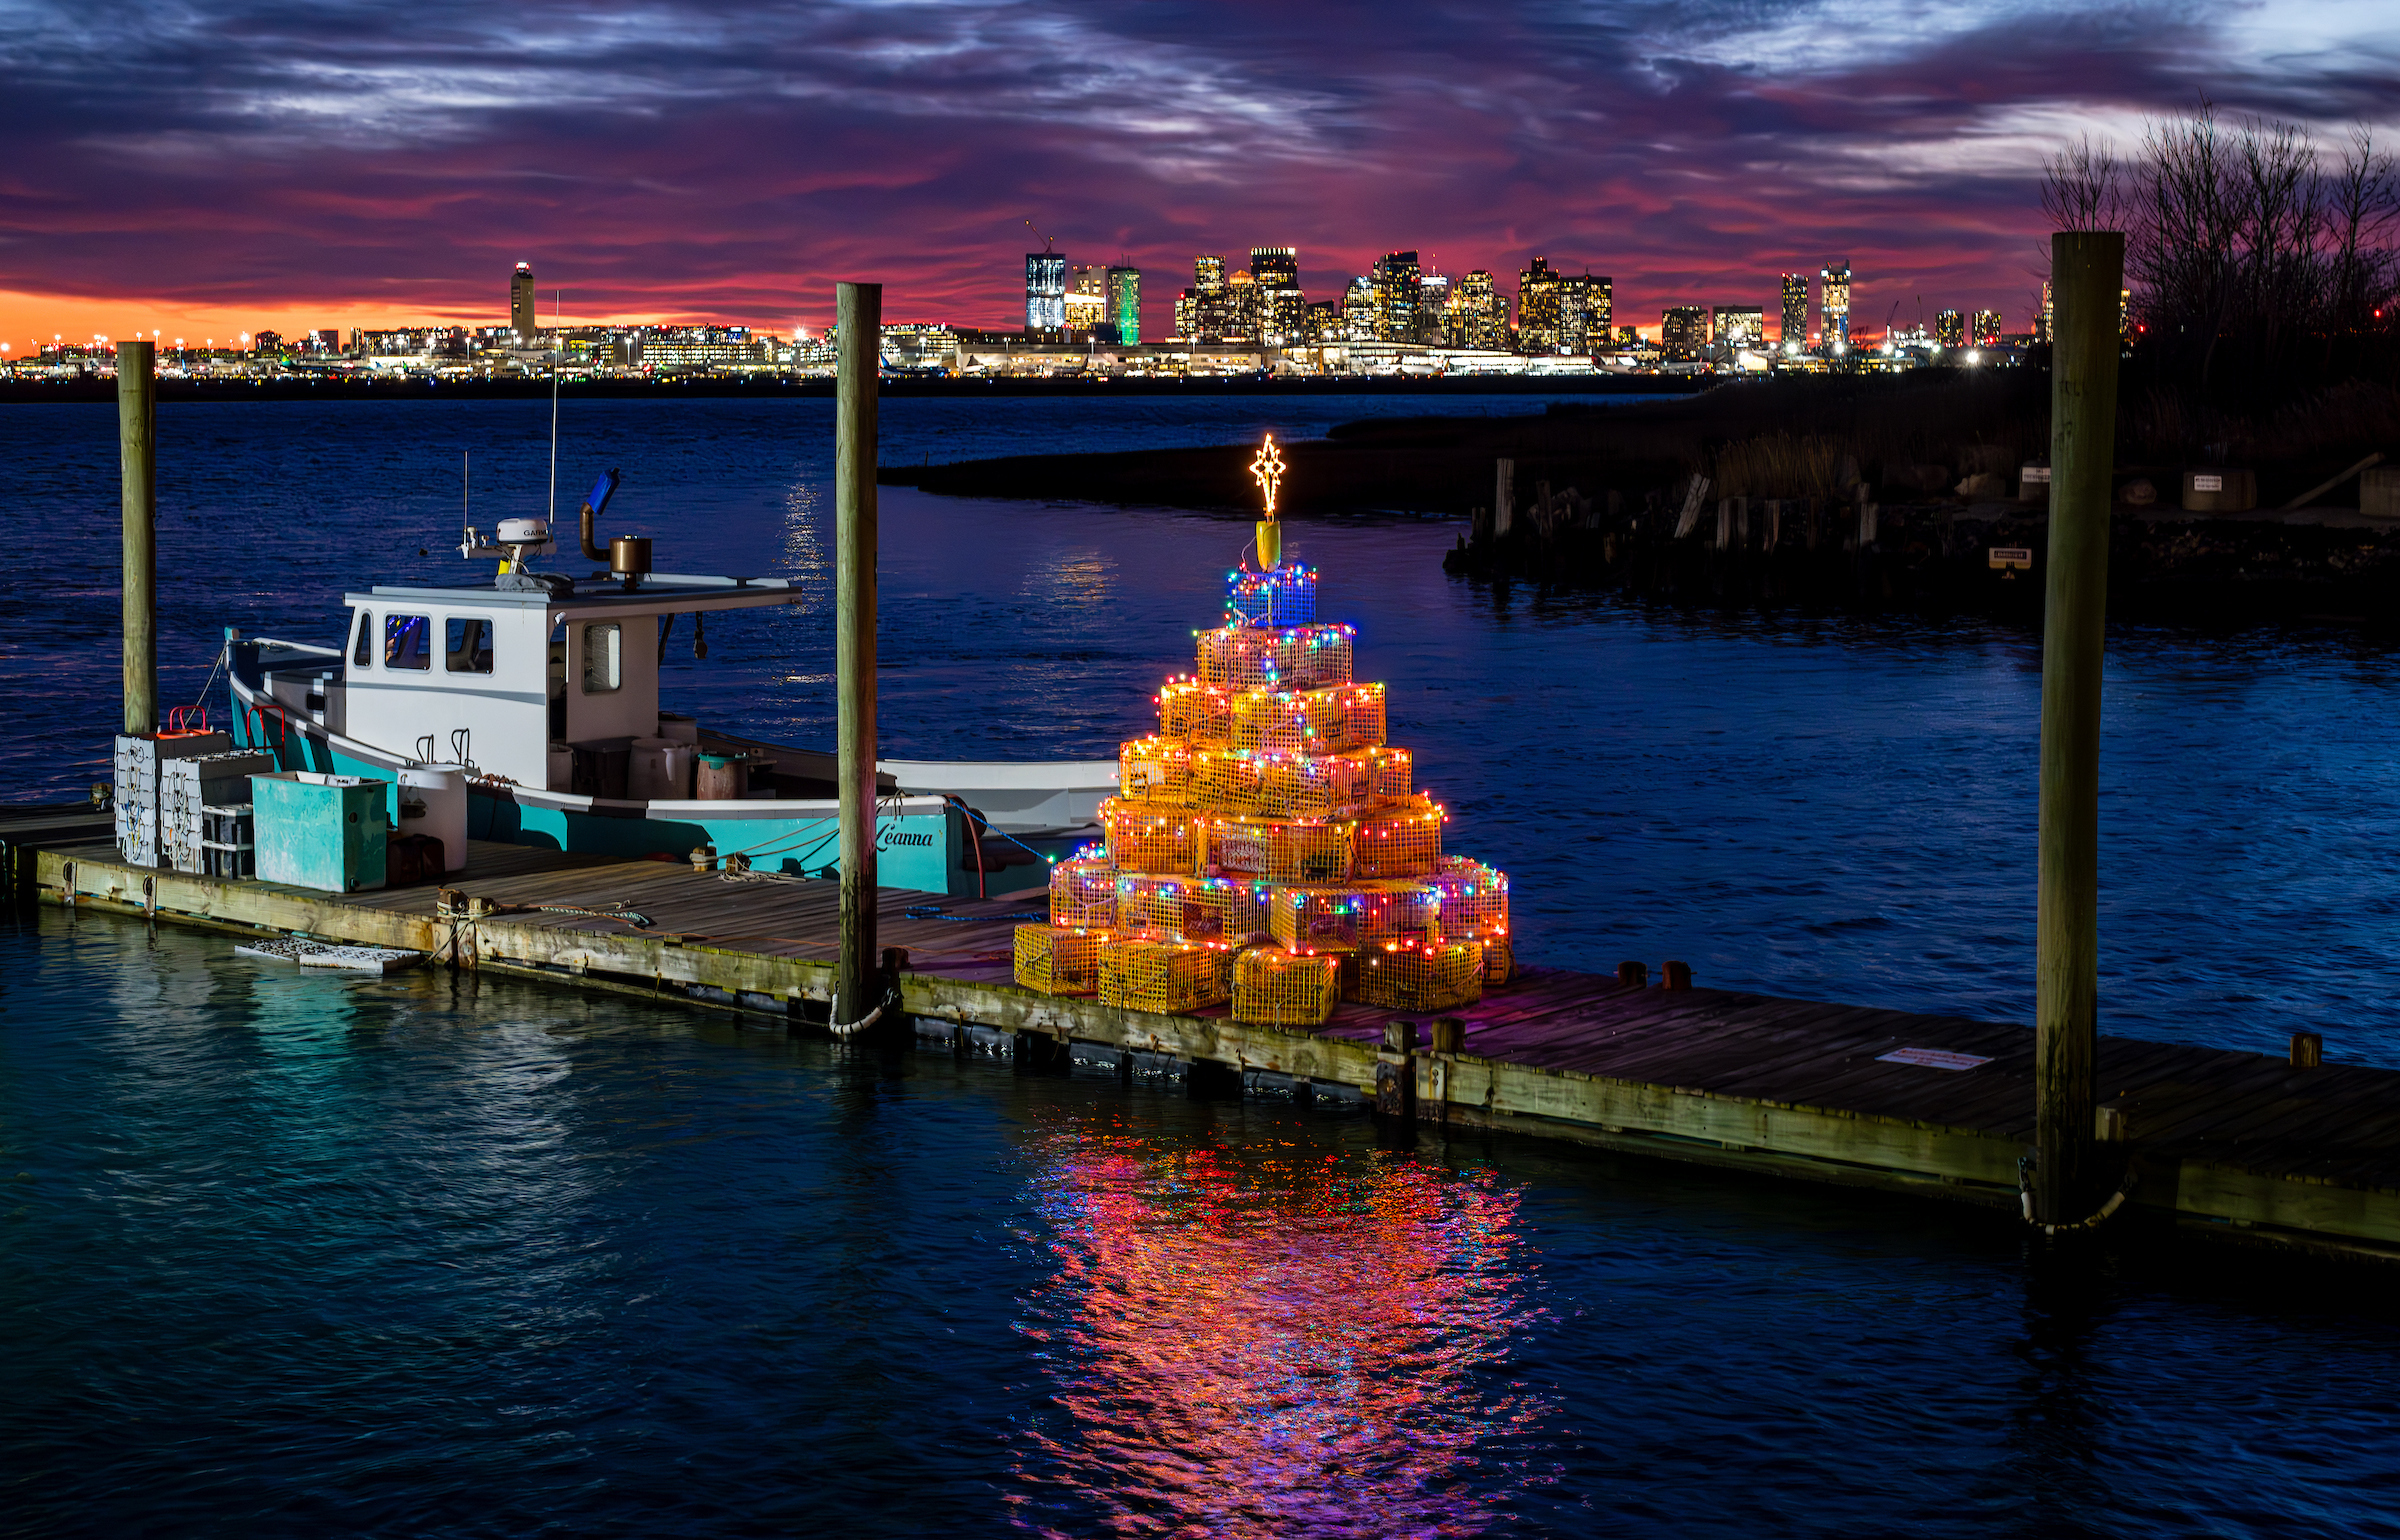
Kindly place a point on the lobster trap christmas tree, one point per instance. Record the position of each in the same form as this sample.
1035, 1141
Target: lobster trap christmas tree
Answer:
1268, 846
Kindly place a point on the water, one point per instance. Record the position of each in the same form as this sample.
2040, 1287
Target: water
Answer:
292, 1254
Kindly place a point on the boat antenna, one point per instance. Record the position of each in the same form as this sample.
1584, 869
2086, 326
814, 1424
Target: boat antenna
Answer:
466, 516
557, 310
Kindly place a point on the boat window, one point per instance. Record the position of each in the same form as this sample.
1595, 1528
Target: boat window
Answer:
603, 657
467, 645
407, 641
364, 653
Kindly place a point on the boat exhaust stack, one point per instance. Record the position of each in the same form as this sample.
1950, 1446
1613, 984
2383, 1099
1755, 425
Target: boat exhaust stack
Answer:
594, 505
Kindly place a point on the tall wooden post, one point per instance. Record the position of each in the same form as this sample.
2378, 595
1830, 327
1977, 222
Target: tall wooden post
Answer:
858, 309
137, 454
2086, 267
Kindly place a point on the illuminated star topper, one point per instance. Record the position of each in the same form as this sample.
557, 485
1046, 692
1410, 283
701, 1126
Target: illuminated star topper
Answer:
1267, 471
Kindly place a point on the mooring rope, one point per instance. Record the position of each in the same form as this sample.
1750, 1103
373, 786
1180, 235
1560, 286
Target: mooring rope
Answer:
2116, 1200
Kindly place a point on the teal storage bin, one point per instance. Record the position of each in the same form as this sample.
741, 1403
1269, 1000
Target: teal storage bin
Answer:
326, 832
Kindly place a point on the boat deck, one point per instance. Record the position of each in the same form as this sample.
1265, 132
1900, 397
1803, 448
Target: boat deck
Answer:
2236, 1142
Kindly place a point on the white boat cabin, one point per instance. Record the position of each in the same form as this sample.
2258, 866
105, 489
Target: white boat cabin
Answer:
508, 680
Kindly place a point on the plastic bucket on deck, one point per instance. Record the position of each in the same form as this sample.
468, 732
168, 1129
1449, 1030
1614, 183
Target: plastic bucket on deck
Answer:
441, 790
660, 771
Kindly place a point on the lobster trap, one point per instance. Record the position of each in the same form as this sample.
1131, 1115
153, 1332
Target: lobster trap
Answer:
1474, 898
1200, 714
1279, 596
1083, 893
1499, 961
1208, 909
1350, 919
1276, 988
1395, 772
1281, 851
1436, 977
1401, 841
1146, 973
1314, 785
1059, 959
1142, 838
1285, 657
1317, 721
1227, 780
1155, 770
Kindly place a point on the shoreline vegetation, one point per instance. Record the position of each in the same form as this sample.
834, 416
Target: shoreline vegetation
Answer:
1864, 493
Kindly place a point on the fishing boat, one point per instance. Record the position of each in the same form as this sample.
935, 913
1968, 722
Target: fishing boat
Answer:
540, 693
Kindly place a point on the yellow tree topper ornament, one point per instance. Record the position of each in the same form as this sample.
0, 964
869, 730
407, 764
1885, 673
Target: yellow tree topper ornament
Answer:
1267, 471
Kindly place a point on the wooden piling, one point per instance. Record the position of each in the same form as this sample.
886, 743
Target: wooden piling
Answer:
1396, 1073
858, 309
2086, 268
1504, 497
137, 456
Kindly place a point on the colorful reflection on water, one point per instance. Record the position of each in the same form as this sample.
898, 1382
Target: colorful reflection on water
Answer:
1274, 1339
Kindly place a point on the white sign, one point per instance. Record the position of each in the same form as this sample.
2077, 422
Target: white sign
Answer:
1931, 1058
2205, 483
2039, 473
2012, 556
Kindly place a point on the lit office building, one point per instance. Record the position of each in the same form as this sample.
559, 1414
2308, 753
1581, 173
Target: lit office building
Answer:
1740, 326
1986, 330
1282, 308
521, 317
1834, 286
1358, 310
1683, 331
1125, 303
1187, 317
1950, 328
1045, 292
1433, 310
2041, 328
1795, 312
1241, 306
1484, 318
1537, 308
1586, 312
1398, 282
1087, 299
1211, 315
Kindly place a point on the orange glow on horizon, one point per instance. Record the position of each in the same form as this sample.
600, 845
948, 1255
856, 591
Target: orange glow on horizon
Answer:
78, 318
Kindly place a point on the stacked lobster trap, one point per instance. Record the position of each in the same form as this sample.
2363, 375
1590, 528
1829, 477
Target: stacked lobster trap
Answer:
1268, 847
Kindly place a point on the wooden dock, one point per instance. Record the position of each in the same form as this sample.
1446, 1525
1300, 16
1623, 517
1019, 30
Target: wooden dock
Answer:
2240, 1145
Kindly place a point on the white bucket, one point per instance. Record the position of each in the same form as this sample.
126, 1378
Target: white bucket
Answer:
659, 771
442, 789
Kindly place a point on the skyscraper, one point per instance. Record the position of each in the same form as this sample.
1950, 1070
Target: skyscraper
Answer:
1358, 310
1586, 312
1795, 312
2041, 325
1834, 284
1740, 326
1433, 310
1986, 330
1683, 331
1950, 328
521, 317
1282, 308
1484, 311
1045, 292
1211, 316
1397, 286
1537, 308
1087, 299
1125, 303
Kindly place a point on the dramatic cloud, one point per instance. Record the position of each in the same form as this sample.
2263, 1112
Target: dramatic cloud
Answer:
683, 157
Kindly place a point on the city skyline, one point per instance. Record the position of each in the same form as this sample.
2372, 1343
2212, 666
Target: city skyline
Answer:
200, 169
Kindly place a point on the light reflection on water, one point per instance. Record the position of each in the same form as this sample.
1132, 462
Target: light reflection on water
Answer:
1272, 1340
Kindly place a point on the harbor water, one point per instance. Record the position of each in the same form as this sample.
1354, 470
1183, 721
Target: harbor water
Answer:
304, 1254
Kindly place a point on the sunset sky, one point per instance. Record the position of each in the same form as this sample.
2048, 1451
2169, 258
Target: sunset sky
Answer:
216, 166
